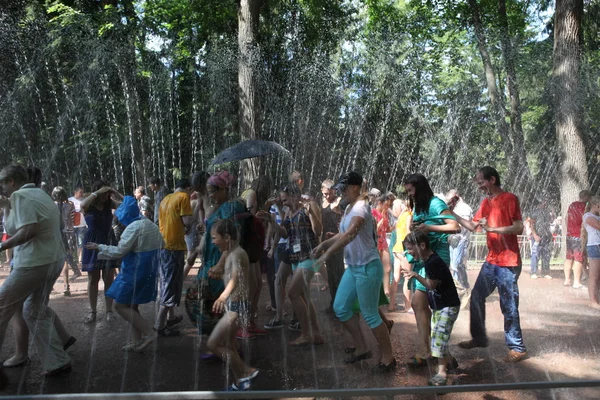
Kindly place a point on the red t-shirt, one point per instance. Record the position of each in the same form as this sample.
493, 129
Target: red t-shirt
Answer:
574, 218
500, 211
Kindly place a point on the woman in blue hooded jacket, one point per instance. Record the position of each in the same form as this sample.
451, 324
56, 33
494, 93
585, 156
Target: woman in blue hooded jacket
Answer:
139, 249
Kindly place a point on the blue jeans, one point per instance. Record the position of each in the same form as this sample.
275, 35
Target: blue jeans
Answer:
362, 282
458, 263
505, 279
541, 251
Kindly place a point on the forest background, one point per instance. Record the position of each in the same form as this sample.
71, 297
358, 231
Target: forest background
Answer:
123, 90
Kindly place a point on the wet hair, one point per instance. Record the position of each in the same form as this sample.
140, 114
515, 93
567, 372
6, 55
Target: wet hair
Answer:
79, 188
199, 180
141, 189
488, 172
327, 184
416, 238
292, 189
262, 188
381, 200
295, 176
226, 227
155, 180
17, 173
184, 183
585, 194
35, 175
389, 196
59, 194
98, 184
423, 192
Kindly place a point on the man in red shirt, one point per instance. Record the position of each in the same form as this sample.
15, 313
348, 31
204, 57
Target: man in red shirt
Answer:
500, 215
574, 258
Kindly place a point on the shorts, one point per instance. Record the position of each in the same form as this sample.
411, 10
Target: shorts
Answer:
240, 307
442, 322
593, 251
192, 240
414, 284
282, 254
574, 251
306, 264
171, 276
80, 234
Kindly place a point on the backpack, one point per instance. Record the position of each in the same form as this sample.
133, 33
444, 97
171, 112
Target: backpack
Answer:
252, 237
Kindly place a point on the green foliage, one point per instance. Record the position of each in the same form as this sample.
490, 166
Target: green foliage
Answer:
122, 90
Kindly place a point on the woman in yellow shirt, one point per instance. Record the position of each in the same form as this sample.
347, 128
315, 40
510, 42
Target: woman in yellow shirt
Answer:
400, 262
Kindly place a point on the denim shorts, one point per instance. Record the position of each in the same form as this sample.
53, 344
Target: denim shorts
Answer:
239, 307
593, 251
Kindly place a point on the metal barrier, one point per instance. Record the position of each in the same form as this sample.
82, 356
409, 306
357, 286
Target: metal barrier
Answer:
389, 393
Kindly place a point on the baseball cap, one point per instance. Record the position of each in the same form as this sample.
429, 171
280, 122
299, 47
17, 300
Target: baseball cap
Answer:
349, 178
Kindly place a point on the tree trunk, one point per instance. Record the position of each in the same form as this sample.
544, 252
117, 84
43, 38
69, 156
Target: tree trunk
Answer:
498, 112
521, 174
567, 99
248, 61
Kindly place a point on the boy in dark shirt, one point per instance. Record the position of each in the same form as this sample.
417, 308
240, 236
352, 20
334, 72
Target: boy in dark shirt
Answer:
443, 300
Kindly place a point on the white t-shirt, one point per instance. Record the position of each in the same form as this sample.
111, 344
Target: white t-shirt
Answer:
592, 233
463, 210
29, 206
77, 204
363, 249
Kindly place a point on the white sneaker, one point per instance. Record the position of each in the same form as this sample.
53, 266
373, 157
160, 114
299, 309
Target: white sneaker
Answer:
533, 276
547, 277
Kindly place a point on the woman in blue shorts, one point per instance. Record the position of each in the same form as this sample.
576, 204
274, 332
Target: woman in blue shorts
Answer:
431, 216
362, 279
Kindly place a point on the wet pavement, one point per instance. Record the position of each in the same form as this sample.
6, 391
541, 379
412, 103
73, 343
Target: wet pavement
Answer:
561, 333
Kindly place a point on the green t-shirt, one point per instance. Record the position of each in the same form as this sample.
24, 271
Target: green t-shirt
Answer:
433, 216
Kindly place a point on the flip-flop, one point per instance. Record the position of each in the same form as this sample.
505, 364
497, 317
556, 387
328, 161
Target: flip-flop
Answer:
416, 362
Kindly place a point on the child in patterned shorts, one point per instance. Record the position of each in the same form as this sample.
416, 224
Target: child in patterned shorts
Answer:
443, 300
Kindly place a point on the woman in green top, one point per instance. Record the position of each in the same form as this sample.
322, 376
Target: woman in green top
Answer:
432, 216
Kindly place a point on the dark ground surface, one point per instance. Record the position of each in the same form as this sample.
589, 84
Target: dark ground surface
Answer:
562, 335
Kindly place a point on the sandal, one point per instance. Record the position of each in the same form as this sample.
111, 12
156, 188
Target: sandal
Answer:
356, 358
110, 316
416, 362
91, 317
350, 350
438, 380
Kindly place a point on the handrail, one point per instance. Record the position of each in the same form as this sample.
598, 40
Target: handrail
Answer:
335, 393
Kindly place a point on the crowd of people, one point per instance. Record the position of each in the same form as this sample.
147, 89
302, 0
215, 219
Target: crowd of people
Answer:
367, 245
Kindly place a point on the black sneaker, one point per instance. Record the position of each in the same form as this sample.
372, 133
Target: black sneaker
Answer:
274, 324
295, 326
175, 321
168, 332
